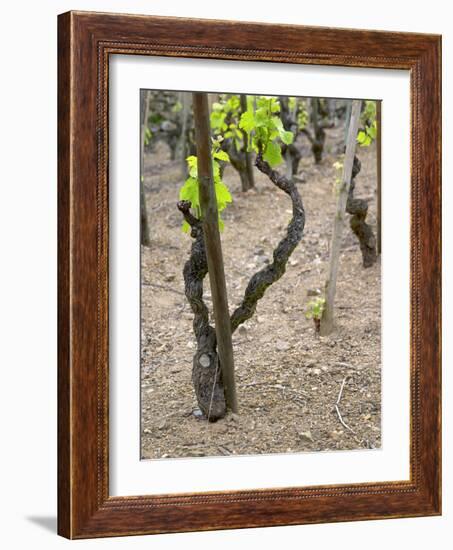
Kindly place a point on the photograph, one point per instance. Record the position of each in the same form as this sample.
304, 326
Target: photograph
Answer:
295, 265
226, 192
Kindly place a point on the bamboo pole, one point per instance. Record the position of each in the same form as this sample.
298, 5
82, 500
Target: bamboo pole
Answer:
210, 217
327, 319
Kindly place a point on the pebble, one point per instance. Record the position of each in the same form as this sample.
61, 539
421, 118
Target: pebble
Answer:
345, 365
315, 371
281, 345
306, 436
313, 292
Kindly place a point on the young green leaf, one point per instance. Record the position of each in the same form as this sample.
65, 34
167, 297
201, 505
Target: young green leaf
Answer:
287, 137
223, 195
273, 154
247, 121
221, 155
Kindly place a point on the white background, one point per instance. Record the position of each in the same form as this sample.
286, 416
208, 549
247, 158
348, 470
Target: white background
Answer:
129, 476
28, 274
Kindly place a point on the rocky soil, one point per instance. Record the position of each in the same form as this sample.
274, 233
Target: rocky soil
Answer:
289, 379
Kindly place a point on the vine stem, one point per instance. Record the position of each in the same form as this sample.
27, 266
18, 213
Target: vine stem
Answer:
264, 278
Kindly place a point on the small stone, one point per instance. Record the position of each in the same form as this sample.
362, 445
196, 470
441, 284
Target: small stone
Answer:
162, 424
313, 292
197, 413
344, 365
242, 330
281, 345
170, 277
306, 436
293, 263
315, 371
259, 252
146, 431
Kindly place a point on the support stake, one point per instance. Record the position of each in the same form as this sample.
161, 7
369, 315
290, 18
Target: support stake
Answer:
210, 217
327, 319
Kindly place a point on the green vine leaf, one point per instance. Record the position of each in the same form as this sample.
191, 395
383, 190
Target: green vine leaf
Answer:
190, 190
272, 154
315, 308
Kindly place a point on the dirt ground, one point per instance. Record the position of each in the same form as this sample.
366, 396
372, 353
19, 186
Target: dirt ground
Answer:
288, 378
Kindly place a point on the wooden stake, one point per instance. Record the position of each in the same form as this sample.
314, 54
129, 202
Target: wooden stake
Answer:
210, 217
327, 320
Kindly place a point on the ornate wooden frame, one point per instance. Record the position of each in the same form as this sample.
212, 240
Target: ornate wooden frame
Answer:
85, 41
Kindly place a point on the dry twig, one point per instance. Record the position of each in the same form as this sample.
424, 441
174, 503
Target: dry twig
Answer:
343, 423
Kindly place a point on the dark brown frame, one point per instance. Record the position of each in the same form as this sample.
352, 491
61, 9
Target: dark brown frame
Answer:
85, 41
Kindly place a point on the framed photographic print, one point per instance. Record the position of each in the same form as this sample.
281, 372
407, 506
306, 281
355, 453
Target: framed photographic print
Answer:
249, 275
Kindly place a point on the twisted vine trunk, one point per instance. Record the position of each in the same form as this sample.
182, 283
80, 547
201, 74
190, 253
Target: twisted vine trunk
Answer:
247, 181
238, 161
358, 208
206, 371
264, 278
145, 238
317, 138
290, 152
241, 159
